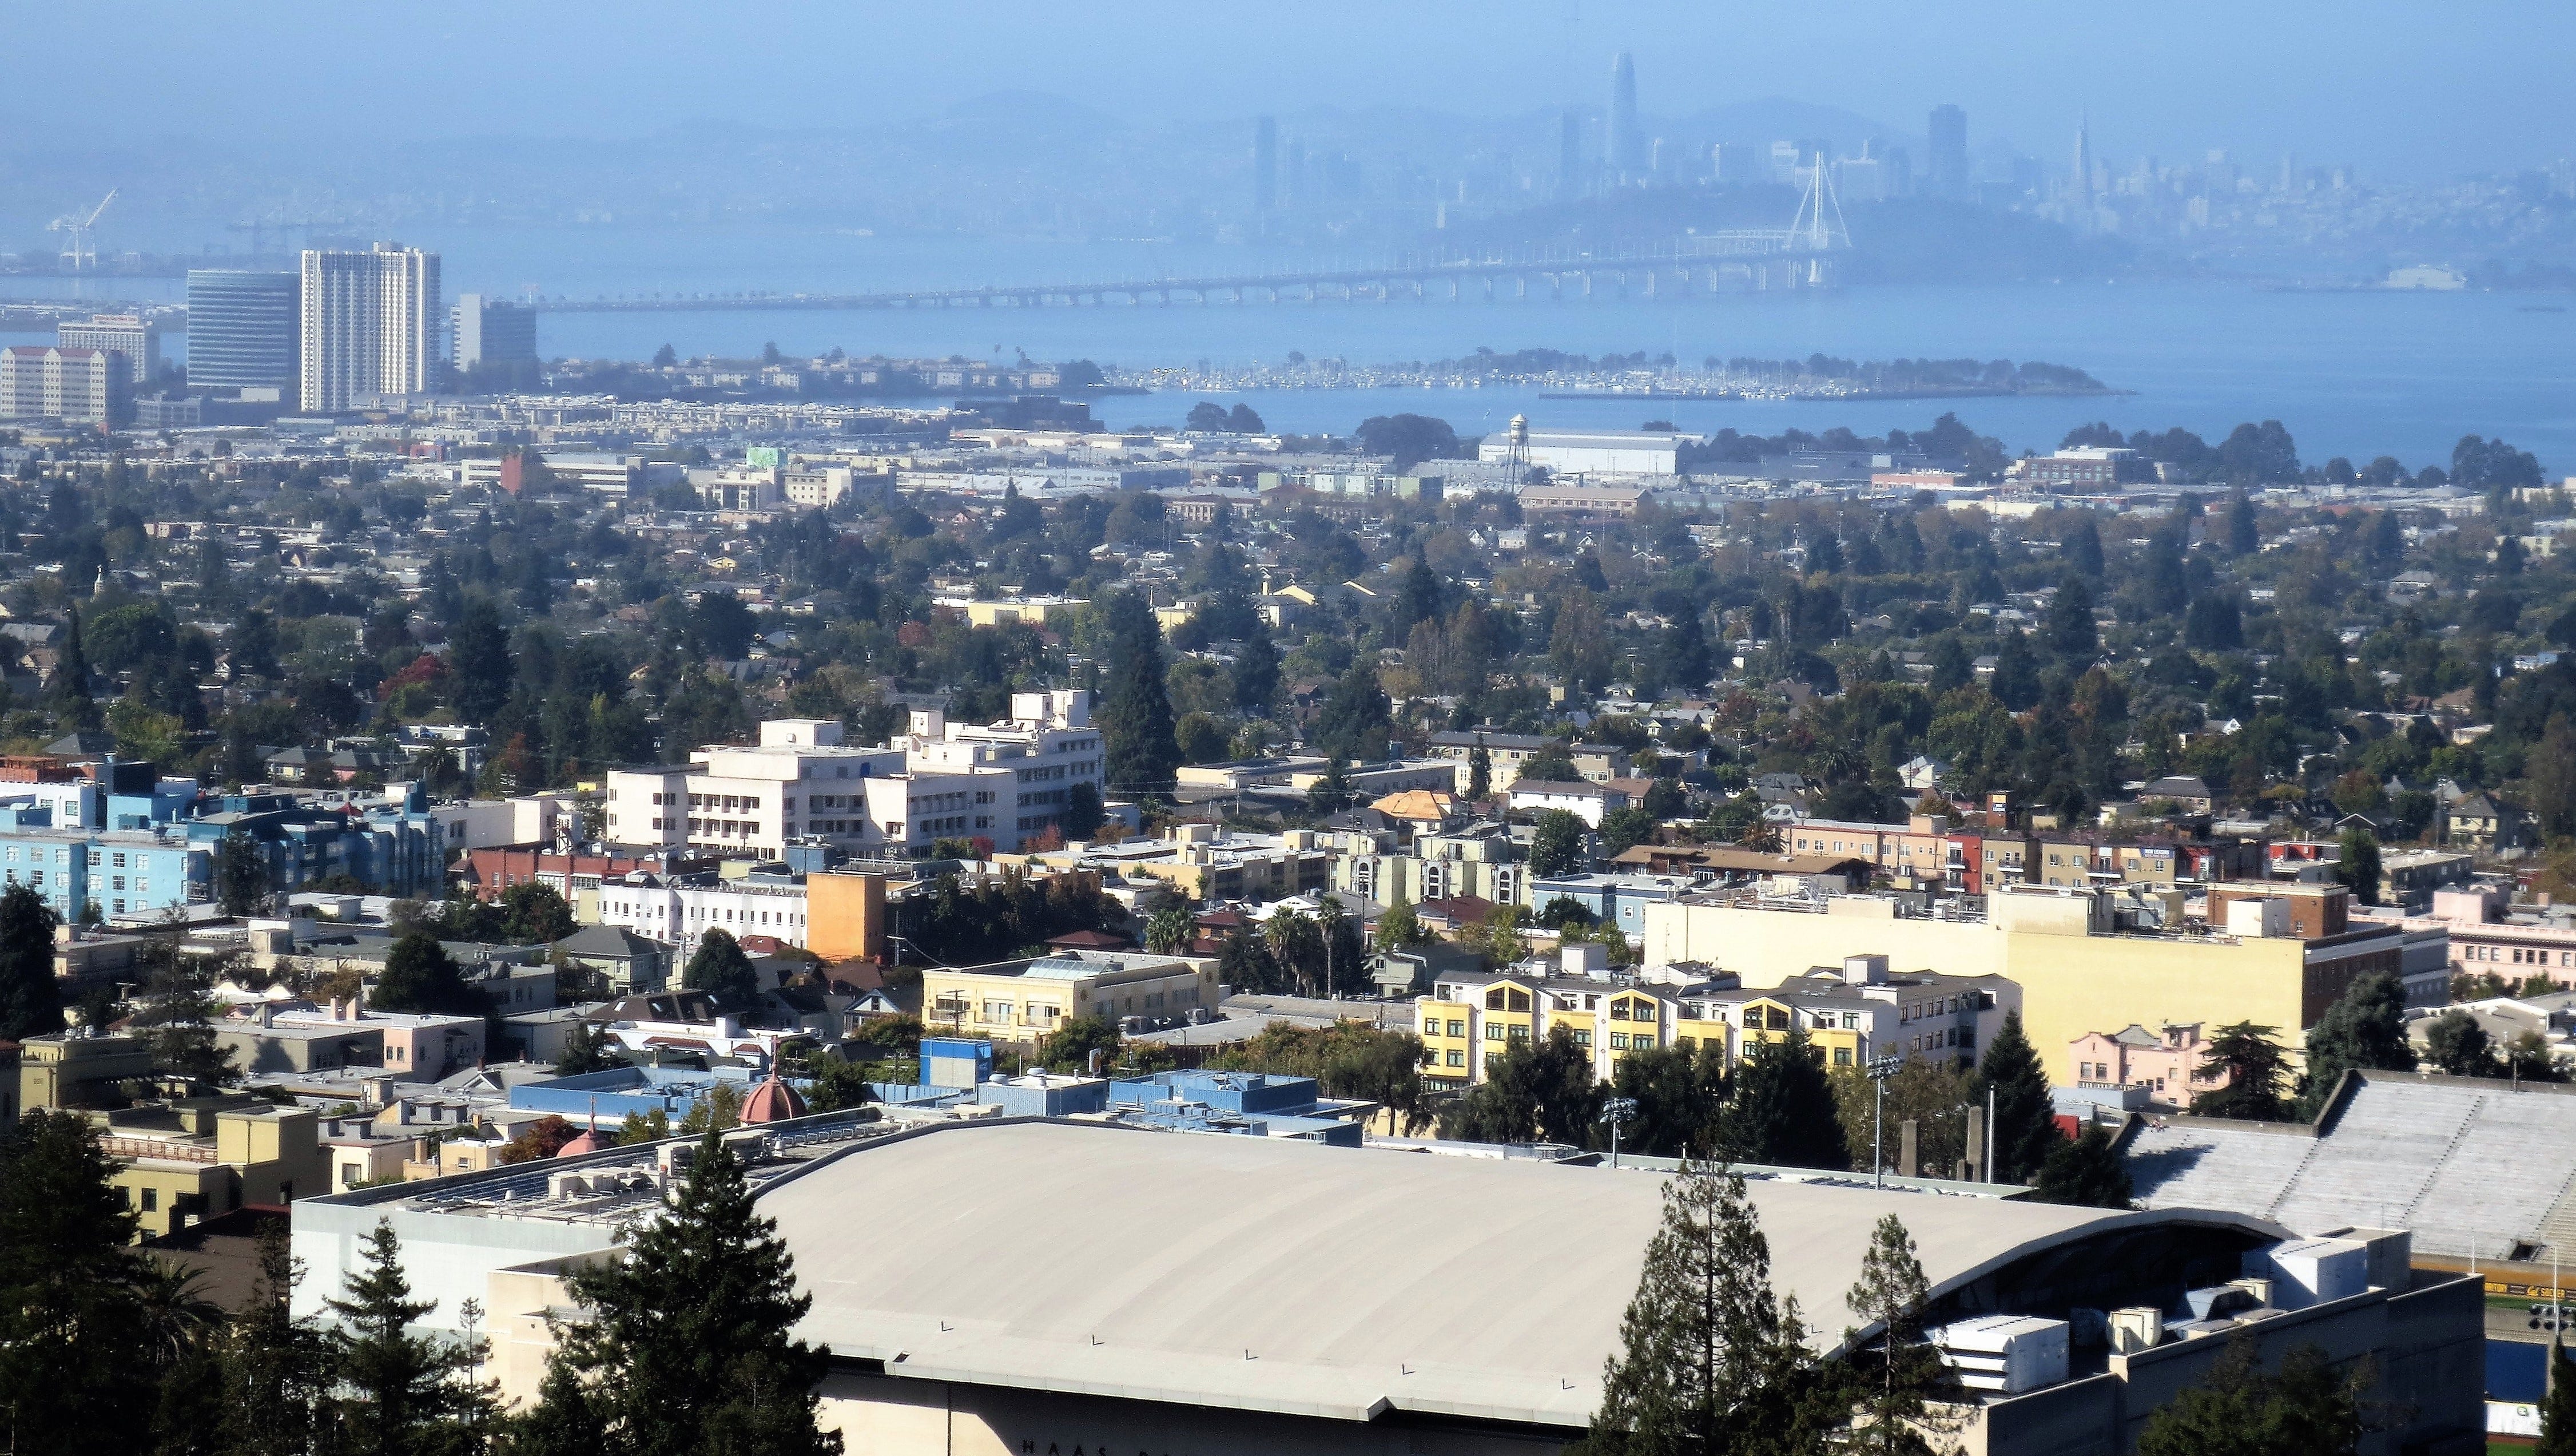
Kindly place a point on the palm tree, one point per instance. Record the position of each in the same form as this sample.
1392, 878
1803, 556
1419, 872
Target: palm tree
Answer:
176, 1312
1761, 836
1170, 931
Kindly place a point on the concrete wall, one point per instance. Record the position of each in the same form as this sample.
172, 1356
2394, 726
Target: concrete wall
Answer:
885, 1416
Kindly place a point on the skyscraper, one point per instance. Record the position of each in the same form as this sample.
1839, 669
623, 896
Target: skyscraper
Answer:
492, 331
2079, 197
1265, 163
1949, 152
241, 329
372, 325
1626, 143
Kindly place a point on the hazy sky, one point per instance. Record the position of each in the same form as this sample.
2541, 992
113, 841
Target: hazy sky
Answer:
2397, 87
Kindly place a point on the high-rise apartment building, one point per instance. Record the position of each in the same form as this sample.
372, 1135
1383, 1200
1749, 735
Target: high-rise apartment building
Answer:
1949, 152
135, 343
241, 329
493, 331
1627, 142
76, 386
1265, 163
371, 325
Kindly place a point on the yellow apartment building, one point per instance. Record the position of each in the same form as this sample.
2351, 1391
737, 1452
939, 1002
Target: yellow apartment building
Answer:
2078, 967
188, 1161
1019, 1005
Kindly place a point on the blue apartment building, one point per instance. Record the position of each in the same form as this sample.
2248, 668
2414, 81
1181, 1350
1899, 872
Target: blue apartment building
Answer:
131, 872
396, 848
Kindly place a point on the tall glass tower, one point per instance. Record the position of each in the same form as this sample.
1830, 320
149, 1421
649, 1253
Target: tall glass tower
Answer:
241, 329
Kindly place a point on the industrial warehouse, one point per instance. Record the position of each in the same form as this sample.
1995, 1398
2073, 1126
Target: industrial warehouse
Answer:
1020, 1285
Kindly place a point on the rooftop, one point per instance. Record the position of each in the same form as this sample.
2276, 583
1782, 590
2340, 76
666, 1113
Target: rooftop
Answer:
1287, 1302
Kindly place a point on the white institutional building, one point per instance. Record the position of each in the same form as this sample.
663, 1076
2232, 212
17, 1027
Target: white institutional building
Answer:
998, 781
372, 325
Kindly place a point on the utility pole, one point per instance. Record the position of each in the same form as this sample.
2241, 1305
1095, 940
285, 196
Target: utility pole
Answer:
1880, 1069
1988, 1171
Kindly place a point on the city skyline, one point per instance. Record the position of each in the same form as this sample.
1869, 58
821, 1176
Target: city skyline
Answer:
2281, 83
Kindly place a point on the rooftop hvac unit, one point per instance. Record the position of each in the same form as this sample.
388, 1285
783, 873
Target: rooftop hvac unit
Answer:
2137, 1328
2009, 1353
567, 1185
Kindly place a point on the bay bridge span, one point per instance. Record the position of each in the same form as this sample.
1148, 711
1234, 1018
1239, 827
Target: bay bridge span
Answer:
1707, 263
1800, 256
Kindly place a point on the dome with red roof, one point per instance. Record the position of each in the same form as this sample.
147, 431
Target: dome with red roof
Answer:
772, 1101
586, 1141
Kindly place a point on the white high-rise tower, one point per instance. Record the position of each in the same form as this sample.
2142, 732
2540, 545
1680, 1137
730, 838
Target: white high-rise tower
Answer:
372, 323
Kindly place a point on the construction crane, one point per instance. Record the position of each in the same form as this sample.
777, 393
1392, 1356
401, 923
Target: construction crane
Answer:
259, 231
79, 248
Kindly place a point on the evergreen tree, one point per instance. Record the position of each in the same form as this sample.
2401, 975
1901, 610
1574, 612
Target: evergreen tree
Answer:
1256, 673
718, 965
1780, 1108
684, 1346
2244, 532
1480, 772
177, 1016
2558, 1406
31, 1004
2015, 682
275, 1372
2358, 864
1898, 1377
2025, 1120
1709, 1359
2083, 548
71, 1327
241, 873
402, 1393
1678, 1094
68, 693
479, 658
1353, 722
585, 1049
1687, 662
1135, 714
1539, 1091
2084, 1172
2251, 1071
2305, 1406
2069, 625
2364, 1030
420, 977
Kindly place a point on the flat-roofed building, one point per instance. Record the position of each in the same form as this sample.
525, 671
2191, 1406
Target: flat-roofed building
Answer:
133, 339
1021, 1002
2081, 960
1591, 452
75, 386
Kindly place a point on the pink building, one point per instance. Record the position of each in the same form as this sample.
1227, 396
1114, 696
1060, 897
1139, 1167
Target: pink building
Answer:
2167, 1064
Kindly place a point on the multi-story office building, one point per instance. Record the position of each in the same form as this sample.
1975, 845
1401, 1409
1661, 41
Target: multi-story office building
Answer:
76, 386
493, 331
678, 909
242, 328
136, 343
996, 782
371, 325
